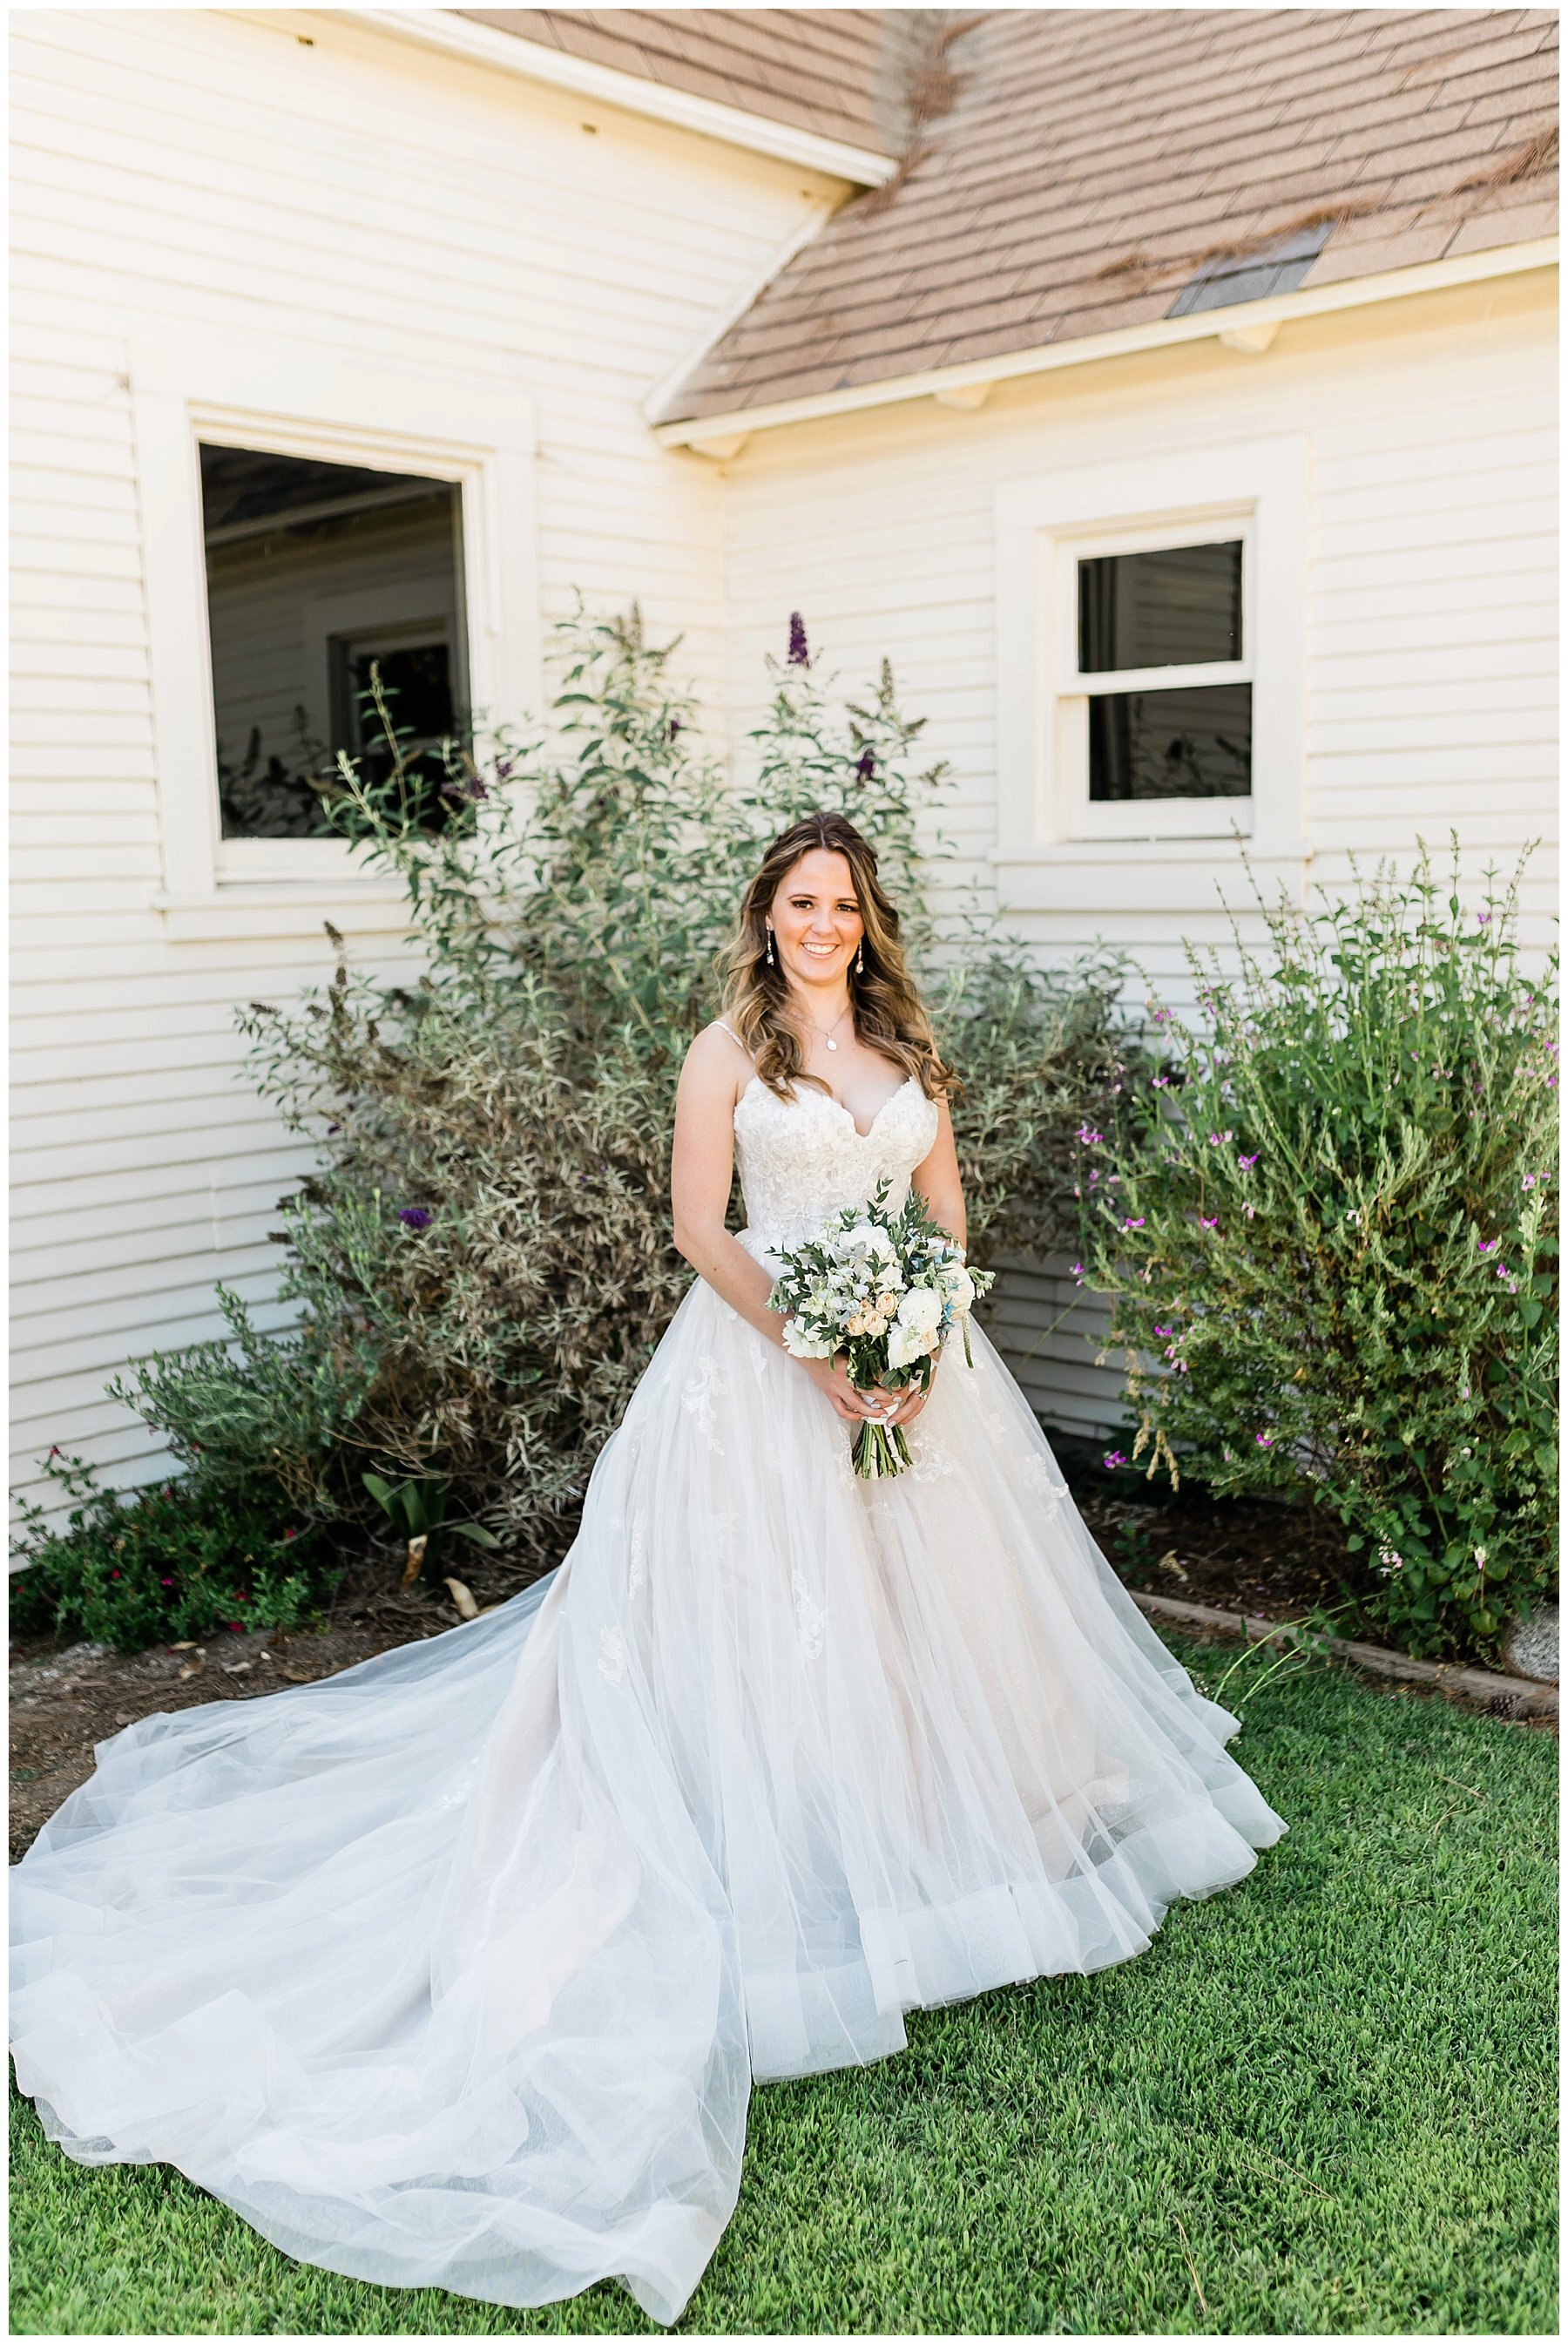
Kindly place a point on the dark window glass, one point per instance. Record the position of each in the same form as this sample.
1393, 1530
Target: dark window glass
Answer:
1172, 608
1195, 743
314, 571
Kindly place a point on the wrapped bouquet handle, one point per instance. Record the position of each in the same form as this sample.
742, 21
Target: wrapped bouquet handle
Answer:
887, 1289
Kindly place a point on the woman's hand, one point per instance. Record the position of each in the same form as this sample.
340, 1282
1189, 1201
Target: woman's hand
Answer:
909, 1402
832, 1377
876, 1405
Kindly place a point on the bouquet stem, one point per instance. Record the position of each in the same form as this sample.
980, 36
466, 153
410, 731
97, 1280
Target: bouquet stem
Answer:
880, 1450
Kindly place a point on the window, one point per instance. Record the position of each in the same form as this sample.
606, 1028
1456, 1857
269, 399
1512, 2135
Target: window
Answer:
1153, 626
306, 510
316, 574
1152, 652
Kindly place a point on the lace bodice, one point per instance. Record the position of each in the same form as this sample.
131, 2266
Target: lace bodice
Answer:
802, 1159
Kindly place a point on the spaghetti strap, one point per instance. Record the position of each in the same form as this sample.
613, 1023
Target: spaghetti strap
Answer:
733, 1036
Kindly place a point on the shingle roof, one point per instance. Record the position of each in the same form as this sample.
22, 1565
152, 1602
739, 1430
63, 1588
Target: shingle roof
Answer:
829, 70
1091, 163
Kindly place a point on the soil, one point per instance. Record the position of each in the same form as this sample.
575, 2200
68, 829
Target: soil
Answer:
65, 1699
1238, 1556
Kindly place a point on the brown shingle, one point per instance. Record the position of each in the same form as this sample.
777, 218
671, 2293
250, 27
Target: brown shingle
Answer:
815, 68
1090, 159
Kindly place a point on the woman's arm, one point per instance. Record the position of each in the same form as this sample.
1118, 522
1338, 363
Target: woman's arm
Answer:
702, 1165
937, 1181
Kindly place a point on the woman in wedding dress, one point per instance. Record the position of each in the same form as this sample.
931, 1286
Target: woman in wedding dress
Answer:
456, 1970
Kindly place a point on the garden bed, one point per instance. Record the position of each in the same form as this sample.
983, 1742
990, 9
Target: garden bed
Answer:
1236, 1555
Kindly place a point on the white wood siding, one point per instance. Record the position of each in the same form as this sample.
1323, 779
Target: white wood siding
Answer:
202, 171
1431, 659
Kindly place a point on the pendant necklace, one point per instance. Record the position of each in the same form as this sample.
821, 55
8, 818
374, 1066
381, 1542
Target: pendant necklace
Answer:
833, 1029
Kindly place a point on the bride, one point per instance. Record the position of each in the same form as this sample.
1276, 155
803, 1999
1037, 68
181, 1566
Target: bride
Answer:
456, 1969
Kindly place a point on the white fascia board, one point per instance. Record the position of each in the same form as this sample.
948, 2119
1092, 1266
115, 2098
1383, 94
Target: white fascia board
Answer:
1155, 334
485, 44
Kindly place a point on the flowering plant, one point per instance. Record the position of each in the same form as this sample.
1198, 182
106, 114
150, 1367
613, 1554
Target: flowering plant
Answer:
887, 1289
1332, 1252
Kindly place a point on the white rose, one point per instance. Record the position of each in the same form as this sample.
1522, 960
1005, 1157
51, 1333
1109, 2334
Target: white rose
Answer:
906, 1345
801, 1344
920, 1310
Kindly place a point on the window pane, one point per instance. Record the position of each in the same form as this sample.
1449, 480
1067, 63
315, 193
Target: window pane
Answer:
1172, 744
313, 572
1172, 608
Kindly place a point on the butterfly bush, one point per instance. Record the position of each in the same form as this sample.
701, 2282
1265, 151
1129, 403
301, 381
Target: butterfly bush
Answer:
1330, 1248
888, 1288
479, 1259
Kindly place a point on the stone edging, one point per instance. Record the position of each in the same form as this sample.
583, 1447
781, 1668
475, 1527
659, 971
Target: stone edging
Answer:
1506, 1696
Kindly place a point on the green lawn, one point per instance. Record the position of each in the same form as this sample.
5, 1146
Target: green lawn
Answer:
1322, 2103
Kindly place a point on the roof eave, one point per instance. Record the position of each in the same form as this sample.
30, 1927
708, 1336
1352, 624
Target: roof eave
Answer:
484, 45
1246, 326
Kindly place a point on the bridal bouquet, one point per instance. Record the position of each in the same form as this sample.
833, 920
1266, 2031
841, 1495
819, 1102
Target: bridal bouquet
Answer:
889, 1289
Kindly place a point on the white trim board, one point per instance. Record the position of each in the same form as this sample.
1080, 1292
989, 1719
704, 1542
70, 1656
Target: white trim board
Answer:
486, 45
1244, 328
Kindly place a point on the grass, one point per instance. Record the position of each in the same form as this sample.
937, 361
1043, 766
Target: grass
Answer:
1322, 2104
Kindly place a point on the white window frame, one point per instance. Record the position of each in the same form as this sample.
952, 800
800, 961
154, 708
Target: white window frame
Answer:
298, 399
1078, 814
1055, 847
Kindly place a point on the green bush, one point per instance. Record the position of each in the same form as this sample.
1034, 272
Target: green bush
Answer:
1332, 1249
184, 1559
482, 1258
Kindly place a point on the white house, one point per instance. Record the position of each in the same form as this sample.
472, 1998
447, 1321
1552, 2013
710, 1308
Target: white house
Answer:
1169, 393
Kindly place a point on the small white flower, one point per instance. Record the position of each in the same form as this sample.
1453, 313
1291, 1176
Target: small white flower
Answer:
803, 1343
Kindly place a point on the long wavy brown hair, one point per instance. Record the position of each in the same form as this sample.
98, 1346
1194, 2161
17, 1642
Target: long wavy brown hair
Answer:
888, 1016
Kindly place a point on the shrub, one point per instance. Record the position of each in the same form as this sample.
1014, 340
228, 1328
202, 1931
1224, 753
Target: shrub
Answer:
482, 1258
187, 1559
1331, 1253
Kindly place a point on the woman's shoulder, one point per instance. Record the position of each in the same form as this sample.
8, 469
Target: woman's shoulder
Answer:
718, 1055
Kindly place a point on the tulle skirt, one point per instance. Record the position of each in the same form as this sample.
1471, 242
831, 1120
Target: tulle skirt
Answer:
456, 1970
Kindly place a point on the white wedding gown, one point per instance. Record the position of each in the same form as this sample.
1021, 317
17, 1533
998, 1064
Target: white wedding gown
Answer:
456, 1970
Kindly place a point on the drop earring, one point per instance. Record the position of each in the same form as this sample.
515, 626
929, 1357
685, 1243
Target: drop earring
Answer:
859, 959
769, 947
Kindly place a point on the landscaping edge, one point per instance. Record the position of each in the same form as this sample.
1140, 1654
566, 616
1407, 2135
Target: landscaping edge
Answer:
1505, 1696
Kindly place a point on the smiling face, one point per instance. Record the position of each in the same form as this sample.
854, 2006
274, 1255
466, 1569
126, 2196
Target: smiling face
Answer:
816, 920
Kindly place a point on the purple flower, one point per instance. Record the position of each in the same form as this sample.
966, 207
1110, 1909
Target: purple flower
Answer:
1218, 1138
1264, 1439
674, 726
1089, 1138
415, 1217
1165, 1330
1113, 1458
1483, 919
166, 1583
1489, 1245
1247, 1162
799, 653
865, 767
1203, 1224
1133, 1224
1078, 1271
503, 767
